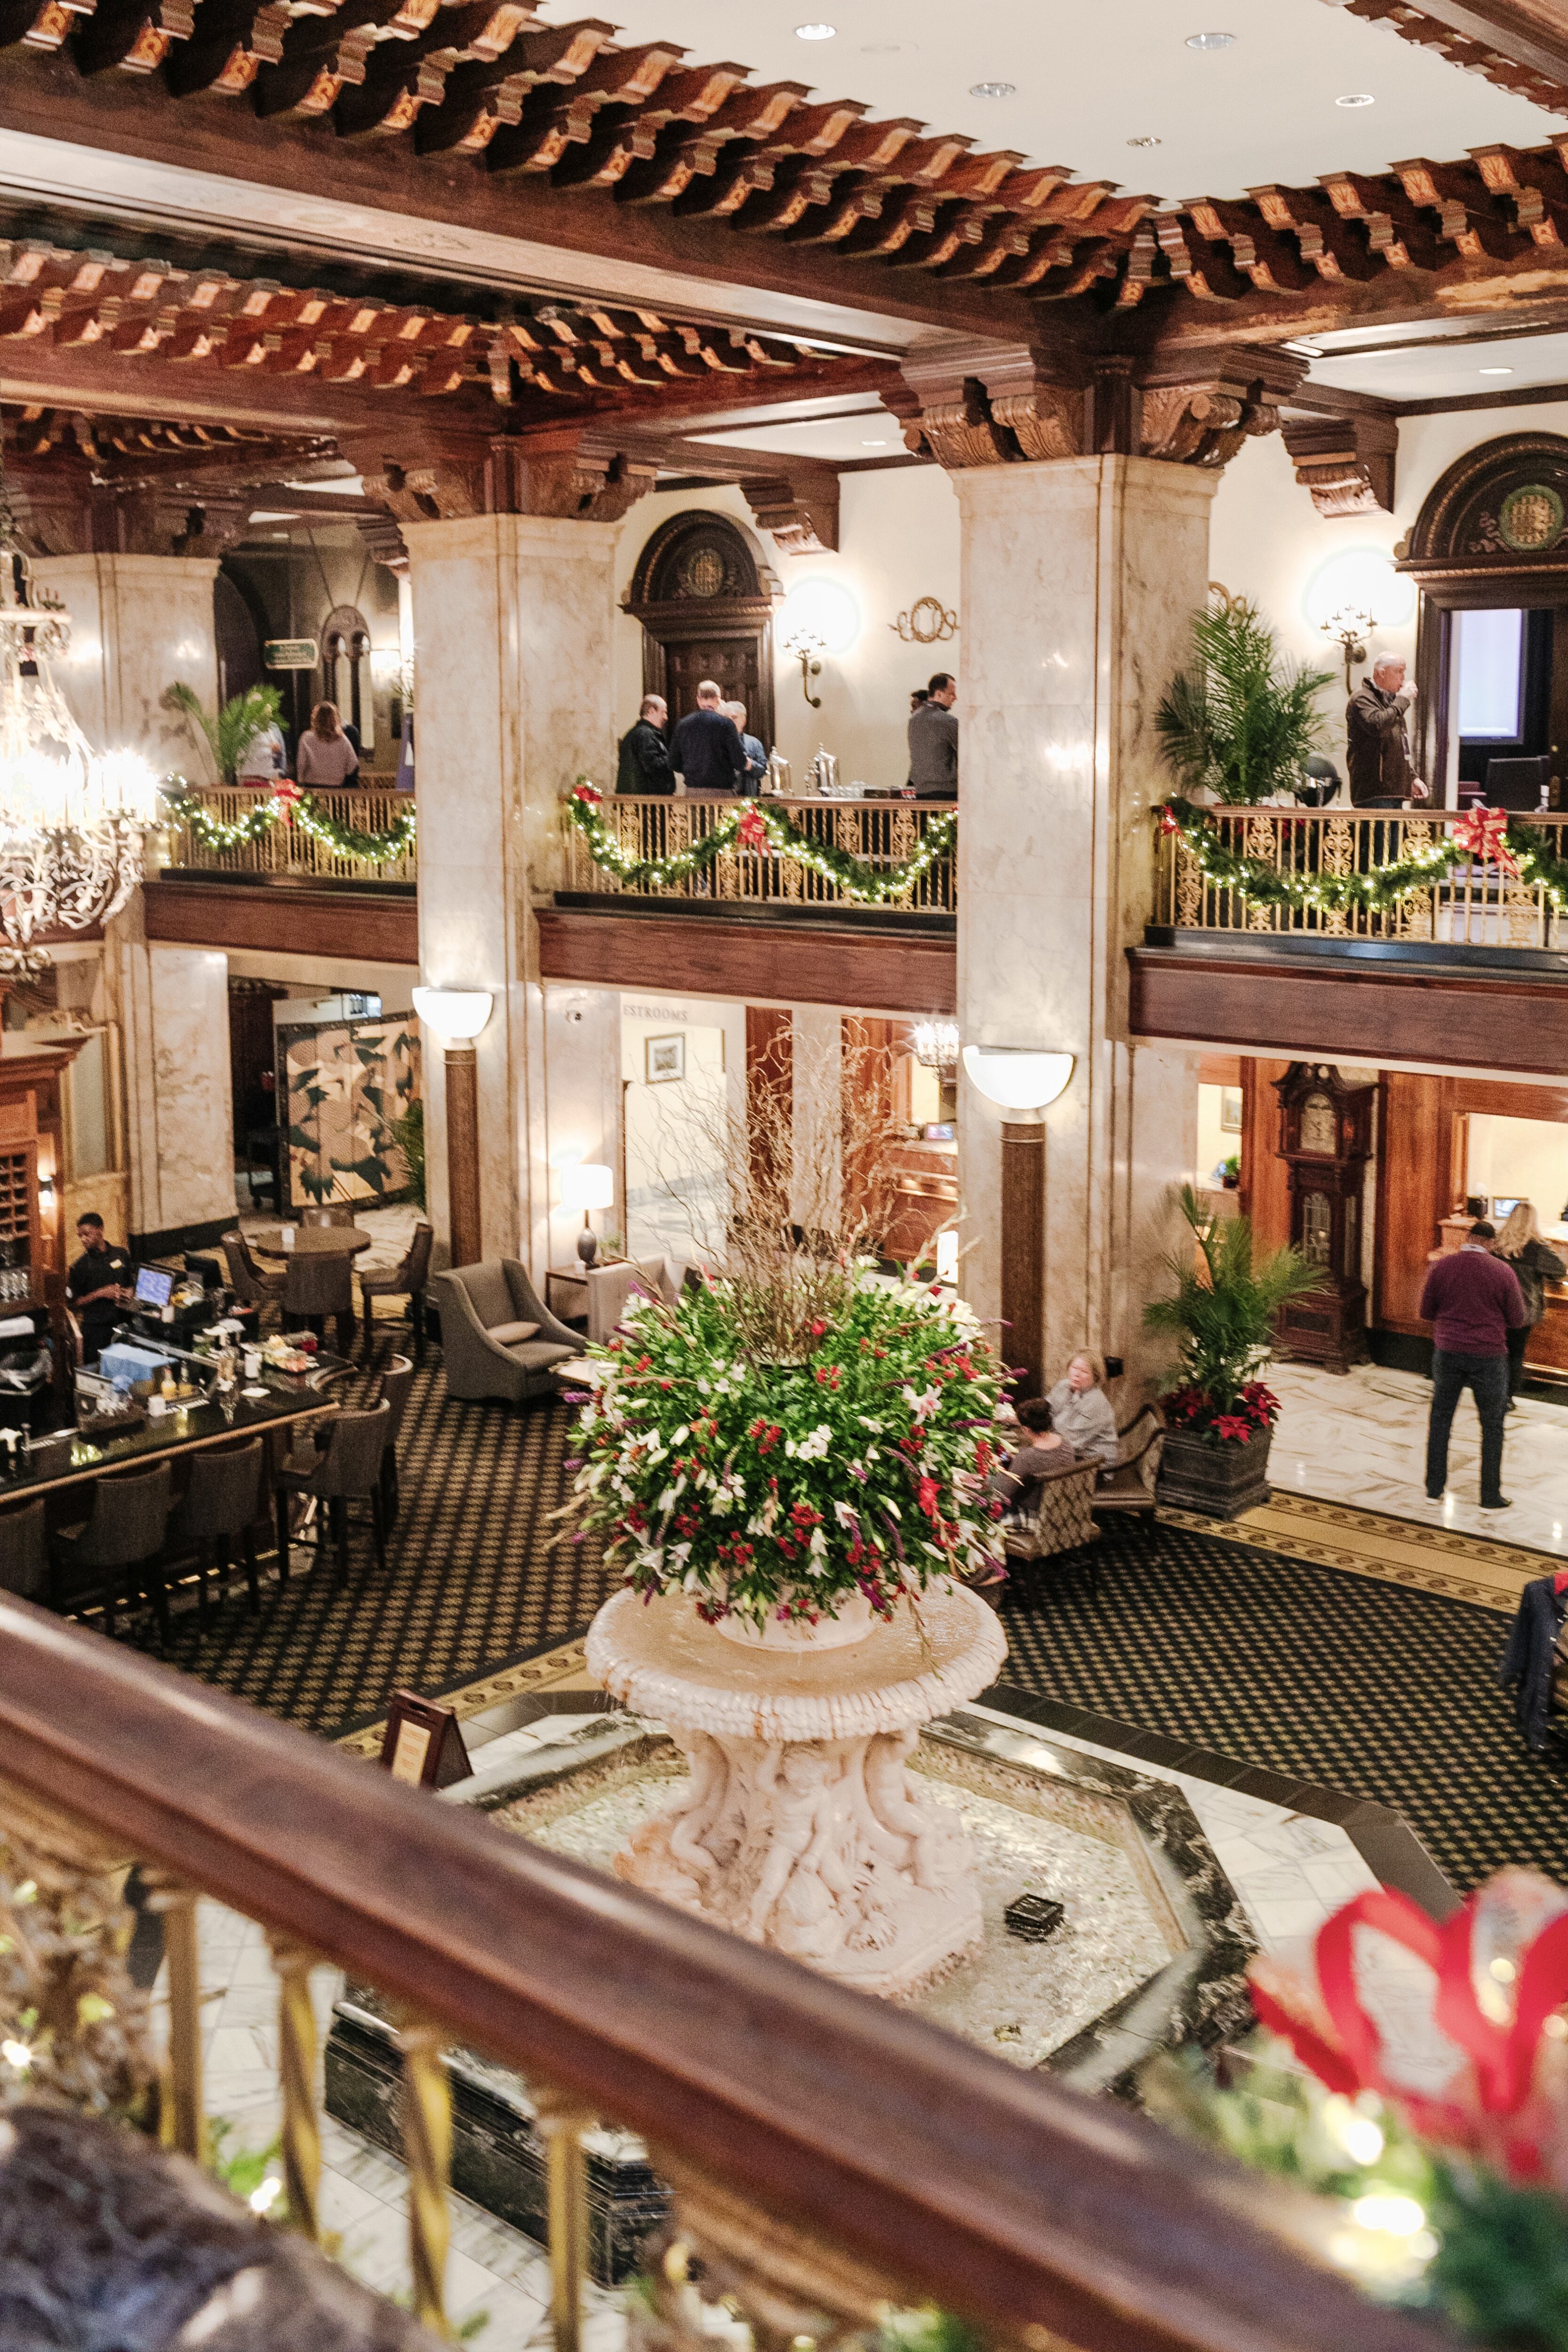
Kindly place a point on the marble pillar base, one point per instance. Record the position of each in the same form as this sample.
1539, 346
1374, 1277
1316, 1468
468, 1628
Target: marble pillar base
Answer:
799, 1826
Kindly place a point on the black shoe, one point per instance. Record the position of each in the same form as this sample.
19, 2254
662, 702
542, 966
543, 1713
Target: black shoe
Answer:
1503, 1503
1435, 1494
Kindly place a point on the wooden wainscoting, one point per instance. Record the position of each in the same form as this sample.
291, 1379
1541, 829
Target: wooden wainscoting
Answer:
367, 925
823, 963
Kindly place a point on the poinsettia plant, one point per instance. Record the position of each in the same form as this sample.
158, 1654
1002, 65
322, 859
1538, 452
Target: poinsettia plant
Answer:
1256, 1408
779, 1489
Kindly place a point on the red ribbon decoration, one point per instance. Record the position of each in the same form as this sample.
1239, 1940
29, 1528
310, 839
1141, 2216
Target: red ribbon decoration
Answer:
753, 834
1484, 832
1169, 821
290, 796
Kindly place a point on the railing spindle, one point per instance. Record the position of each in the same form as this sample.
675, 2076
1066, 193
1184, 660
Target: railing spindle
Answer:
562, 2124
297, 2071
427, 2146
186, 2129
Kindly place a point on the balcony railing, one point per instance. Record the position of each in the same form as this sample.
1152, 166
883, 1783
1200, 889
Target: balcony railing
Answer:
880, 837
289, 852
1470, 902
830, 2154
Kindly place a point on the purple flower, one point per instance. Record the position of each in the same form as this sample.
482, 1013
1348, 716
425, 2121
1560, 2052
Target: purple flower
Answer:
574, 1396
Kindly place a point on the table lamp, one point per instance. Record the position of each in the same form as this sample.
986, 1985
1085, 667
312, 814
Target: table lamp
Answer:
587, 1186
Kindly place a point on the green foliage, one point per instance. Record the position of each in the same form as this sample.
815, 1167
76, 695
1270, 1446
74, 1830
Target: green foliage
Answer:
241, 2169
287, 805
771, 1489
1380, 887
230, 735
408, 1134
1224, 1316
1243, 719
867, 886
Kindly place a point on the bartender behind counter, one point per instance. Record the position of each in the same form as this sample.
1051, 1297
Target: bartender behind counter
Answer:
97, 1284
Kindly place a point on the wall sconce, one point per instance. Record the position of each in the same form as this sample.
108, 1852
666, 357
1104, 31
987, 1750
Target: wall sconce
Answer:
458, 1015
587, 1186
1018, 1077
1353, 595
1350, 629
818, 616
807, 648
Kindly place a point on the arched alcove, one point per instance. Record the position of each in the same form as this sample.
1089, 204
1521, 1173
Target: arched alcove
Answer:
705, 598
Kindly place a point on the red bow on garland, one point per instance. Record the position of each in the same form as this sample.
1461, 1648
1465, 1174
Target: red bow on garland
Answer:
753, 834
290, 796
1169, 821
589, 794
1483, 832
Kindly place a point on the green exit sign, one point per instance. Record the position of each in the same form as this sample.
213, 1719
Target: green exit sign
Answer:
290, 653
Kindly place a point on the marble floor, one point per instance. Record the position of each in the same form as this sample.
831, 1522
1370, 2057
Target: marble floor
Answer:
1360, 1437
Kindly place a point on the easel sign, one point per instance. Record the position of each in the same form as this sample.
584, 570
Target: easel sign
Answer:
424, 1744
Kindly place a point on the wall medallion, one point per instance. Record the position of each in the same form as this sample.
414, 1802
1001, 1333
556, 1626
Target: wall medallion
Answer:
927, 621
1530, 519
702, 573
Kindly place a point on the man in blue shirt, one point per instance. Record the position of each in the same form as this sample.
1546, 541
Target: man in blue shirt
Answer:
706, 749
756, 757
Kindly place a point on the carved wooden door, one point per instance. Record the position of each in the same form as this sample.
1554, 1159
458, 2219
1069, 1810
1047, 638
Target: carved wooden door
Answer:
731, 661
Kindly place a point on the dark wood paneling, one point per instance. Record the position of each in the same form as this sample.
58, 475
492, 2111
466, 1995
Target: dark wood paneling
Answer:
712, 958
1364, 1013
294, 922
1265, 1178
1416, 1178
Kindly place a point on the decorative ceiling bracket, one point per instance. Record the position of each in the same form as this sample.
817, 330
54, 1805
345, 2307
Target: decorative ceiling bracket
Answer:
1345, 462
799, 508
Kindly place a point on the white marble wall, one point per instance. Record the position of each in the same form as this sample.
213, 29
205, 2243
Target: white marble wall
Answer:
512, 618
1079, 579
173, 1005
138, 625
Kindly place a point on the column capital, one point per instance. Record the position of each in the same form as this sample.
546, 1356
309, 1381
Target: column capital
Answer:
572, 472
1346, 462
72, 517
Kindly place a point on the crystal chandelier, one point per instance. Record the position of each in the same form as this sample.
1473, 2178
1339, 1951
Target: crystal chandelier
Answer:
72, 820
936, 1044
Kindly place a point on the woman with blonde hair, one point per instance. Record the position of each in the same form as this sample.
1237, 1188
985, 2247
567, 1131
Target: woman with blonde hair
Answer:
326, 755
1519, 1243
1080, 1411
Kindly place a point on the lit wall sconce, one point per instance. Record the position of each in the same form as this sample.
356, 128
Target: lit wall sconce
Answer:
1353, 597
818, 616
1018, 1077
458, 1015
587, 1186
46, 1191
807, 648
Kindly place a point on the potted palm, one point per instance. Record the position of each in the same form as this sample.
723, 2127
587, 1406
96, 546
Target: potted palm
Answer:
1220, 1416
1241, 722
229, 736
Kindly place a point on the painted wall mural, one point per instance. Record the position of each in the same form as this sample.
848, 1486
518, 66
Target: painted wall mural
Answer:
346, 1083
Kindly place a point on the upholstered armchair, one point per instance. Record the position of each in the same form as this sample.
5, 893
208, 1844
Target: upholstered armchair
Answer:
498, 1337
1063, 1519
1128, 1490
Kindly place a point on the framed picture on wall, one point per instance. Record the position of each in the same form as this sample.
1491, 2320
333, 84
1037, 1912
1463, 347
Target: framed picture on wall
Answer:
664, 1059
1230, 1110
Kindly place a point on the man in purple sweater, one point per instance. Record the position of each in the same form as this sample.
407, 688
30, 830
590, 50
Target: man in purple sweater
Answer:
1472, 1301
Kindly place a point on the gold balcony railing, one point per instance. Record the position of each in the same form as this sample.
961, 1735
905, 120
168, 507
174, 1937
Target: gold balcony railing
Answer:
1469, 903
288, 851
829, 2155
881, 835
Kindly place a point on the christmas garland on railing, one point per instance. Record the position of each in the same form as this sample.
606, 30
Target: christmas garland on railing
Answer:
287, 805
752, 827
1481, 837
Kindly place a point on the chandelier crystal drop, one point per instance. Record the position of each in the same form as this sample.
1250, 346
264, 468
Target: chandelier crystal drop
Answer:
936, 1044
73, 821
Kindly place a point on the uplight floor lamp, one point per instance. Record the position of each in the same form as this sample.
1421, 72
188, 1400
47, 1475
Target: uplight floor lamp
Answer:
458, 1015
1021, 1078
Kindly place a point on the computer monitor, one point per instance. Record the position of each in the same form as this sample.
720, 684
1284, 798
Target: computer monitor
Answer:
154, 1285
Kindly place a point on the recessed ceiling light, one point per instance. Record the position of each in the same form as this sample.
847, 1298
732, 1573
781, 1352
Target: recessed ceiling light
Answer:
1356, 98
1497, 371
1210, 40
1147, 140
873, 444
993, 89
815, 32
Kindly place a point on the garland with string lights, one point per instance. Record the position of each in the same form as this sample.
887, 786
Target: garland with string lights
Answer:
752, 827
1483, 835
287, 805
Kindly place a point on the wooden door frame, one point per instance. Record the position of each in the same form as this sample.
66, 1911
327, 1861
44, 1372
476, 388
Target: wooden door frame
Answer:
1529, 589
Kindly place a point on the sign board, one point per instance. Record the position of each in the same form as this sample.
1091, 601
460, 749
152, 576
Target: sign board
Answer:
423, 1743
291, 653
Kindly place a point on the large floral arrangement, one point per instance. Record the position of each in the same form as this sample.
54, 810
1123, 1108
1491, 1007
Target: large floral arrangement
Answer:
770, 1490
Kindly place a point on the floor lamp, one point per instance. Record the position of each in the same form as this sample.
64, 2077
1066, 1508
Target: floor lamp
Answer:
458, 1015
1018, 1077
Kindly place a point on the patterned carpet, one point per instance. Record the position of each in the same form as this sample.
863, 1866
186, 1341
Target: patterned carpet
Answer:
1367, 1686
469, 1586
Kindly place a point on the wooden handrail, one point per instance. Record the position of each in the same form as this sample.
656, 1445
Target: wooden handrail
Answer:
1007, 2197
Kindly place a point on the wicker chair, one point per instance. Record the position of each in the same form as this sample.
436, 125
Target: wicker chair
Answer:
1128, 1491
1062, 1520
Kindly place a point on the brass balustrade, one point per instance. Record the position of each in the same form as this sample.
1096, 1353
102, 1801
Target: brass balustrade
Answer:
287, 850
1472, 904
882, 834
829, 2155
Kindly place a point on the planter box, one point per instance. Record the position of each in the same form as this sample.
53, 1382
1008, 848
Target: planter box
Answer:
1221, 1480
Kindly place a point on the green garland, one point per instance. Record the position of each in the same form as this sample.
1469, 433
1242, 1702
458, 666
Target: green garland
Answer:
187, 808
1379, 889
865, 885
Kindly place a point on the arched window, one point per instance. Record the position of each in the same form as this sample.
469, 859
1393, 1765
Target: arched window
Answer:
345, 664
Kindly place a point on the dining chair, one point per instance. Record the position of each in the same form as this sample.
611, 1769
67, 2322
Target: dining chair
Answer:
349, 1471
405, 1280
316, 1285
23, 1553
397, 1380
219, 1508
117, 1548
251, 1284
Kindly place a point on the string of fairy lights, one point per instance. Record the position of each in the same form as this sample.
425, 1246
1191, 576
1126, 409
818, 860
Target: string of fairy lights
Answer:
762, 829
287, 806
1379, 888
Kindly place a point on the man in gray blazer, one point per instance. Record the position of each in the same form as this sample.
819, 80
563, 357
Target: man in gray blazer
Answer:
933, 743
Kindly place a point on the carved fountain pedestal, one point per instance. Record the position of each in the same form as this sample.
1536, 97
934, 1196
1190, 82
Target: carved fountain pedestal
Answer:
800, 1826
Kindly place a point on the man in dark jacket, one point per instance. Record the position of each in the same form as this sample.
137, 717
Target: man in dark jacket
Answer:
707, 749
1377, 744
1530, 1658
644, 765
933, 743
1472, 1300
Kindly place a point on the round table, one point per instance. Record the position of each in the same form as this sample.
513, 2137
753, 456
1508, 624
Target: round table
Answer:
311, 1241
800, 1826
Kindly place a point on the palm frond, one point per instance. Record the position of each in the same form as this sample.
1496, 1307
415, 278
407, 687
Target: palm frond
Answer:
1224, 1303
229, 735
1243, 719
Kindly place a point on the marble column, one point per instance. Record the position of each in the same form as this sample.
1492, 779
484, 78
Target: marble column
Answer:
171, 1003
1080, 577
512, 621
139, 624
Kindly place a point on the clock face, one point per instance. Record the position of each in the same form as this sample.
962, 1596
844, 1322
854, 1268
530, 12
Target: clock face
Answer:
1317, 1126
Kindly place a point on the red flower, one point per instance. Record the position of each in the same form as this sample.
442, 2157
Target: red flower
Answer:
1234, 1426
926, 1495
816, 1331
589, 794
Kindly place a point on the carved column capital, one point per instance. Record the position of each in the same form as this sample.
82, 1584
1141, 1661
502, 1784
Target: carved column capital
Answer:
1347, 462
569, 471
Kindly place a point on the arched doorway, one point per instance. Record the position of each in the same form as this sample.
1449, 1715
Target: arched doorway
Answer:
1490, 551
345, 666
705, 598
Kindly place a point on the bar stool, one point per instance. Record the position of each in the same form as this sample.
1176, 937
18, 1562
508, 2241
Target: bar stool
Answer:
125, 1532
316, 1286
221, 1505
23, 1553
350, 1468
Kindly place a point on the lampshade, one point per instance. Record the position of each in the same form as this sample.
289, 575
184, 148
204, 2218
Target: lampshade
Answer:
587, 1186
455, 1013
1017, 1077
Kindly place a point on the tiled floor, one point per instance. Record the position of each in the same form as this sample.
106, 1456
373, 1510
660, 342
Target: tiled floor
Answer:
1360, 1437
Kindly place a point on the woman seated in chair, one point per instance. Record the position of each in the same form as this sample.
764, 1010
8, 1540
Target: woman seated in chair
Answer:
1081, 1412
1044, 1450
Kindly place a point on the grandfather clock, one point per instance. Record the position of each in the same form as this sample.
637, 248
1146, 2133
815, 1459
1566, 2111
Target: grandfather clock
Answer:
1325, 1138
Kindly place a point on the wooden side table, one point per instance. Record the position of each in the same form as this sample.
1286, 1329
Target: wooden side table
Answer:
566, 1292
